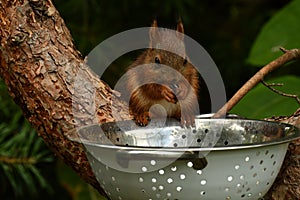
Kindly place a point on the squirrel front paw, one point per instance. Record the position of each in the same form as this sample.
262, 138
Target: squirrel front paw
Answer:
142, 119
187, 120
168, 94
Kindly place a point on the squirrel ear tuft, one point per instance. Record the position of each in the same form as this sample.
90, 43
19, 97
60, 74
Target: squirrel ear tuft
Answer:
154, 23
180, 29
180, 26
153, 34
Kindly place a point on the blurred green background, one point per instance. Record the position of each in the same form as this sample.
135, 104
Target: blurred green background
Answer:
240, 36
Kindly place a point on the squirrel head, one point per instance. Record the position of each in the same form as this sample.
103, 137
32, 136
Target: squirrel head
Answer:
168, 40
167, 47
167, 63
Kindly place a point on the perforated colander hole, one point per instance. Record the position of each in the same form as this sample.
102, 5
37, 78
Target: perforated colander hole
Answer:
153, 180
161, 172
198, 140
272, 156
119, 198
203, 182
257, 182
199, 172
161, 187
183, 136
202, 193
113, 178
242, 177
226, 142
170, 180
178, 188
153, 188
144, 169
152, 162
175, 144
174, 169
247, 159
118, 189
169, 194
272, 174
230, 178
249, 195
252, 167
143, 190
227, 189
206, 131
261, 162
141, 179
267, 152
274, 163
189, 164
228, 198
182, 176
254, 175
264, 169
236, 167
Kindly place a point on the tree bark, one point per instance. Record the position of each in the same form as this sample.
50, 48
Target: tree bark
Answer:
287, 183
39, 63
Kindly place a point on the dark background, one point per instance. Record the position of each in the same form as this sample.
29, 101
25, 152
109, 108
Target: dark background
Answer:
226, 29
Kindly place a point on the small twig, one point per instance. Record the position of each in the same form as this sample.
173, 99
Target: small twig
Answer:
273, 84
284, 50
288, 56
280, 92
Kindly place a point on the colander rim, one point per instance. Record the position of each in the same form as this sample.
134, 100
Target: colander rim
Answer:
288, 138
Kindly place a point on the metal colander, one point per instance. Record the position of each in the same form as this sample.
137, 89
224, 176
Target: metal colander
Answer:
216, 159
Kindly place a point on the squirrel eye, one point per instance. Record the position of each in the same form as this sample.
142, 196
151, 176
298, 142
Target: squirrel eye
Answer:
184, 61
157, 60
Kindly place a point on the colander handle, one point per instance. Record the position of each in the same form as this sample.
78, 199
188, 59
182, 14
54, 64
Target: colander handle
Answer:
196, 157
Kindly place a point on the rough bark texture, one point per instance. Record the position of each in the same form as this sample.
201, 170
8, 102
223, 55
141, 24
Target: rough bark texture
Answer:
287, 184
39, 63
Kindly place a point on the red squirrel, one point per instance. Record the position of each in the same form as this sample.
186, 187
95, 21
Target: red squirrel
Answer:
172, 81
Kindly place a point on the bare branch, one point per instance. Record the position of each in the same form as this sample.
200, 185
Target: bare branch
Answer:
288, 56
280, 92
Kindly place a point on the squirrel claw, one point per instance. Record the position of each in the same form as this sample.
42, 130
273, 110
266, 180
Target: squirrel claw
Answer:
142, 119
169, 95
187, 120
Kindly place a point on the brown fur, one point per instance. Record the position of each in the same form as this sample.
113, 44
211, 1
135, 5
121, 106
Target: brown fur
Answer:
165, 87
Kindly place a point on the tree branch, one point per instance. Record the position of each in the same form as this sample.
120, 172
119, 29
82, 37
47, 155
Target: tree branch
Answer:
289, 55
39, 64
270, 86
